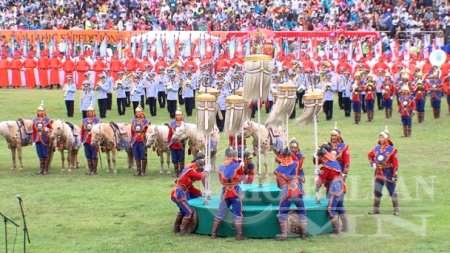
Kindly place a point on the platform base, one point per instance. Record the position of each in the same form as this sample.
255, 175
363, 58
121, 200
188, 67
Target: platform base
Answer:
260, 214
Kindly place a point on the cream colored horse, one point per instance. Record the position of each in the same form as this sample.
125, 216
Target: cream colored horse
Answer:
65, 138
103, 135
196, 141
255, 130
17, 135
157, 139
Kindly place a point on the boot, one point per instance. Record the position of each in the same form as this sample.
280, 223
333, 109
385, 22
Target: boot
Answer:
144, 167
435, 113
359, 117
409, 131
46, 164
176, 226
344, 220
41, 166
175, 170
138, 168
94, 166
356, 118
438, 113
395, 205
184, 225
238, 225
376, 206
215, 228
423, 116
390, 112
386, 113
89, 163
180, 168
335, 225
303, 227
283, 230
405, 131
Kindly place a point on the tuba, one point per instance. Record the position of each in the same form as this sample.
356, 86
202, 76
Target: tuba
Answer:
438, 57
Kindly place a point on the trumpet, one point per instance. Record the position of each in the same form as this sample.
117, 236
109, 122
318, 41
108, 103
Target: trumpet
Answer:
186, 84
65, 90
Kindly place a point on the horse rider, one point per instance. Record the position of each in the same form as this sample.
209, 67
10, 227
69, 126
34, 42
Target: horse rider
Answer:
70, 88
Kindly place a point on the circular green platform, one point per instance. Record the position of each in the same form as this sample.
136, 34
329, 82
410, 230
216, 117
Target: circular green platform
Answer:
260, 213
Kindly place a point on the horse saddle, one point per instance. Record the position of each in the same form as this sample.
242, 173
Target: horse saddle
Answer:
119, 128
75, 131
274, 133
23, 127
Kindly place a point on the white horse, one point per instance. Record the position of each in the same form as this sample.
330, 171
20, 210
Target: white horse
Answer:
268, 143
157, 139
104, 136
196, 140
17, 134
66, 138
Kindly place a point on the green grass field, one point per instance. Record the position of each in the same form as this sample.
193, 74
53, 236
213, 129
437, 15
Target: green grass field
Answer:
71, 212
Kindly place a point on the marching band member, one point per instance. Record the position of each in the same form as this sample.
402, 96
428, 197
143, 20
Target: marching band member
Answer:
139, 127
136, 91
346, 84
383, 159
102, 96
42, 125
370, 101
436, 94
87, 98
187, 91
301, 87
291, 186
121, 96
330, 87
181, 76
356, 98
162, 79
109, 83
90, 151
126, 81
222, 106
87, 78
379, 83
406, 106
172, 94
230, 174
151, 86
447, 89
388, 96
420, 90
272, 92
69, 89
